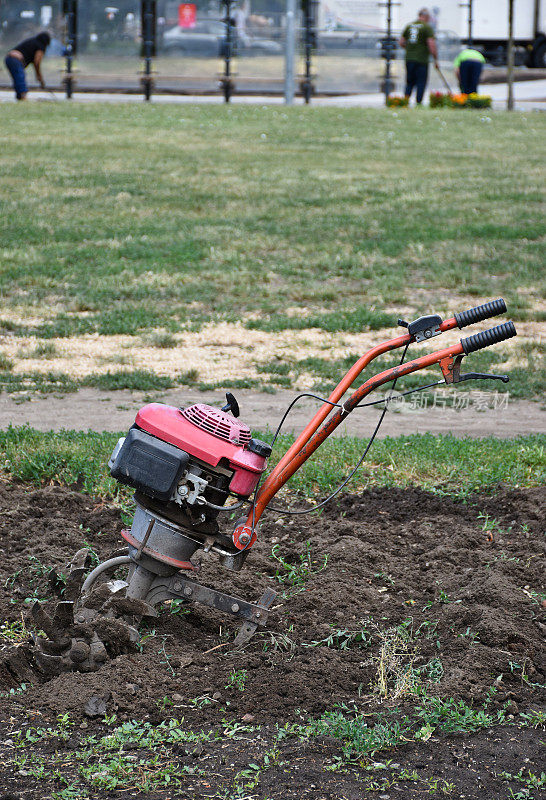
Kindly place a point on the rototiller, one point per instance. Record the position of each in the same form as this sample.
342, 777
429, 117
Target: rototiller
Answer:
189, 466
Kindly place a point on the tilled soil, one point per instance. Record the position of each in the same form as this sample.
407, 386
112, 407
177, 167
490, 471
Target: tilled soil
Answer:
453, 588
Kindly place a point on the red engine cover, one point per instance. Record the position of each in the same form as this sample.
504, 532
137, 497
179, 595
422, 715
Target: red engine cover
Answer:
224, 438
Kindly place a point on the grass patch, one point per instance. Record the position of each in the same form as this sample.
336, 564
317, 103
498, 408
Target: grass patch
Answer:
42, 382
44, 350
441, 464
67, 456
142, 757
359, 735
6, 364
360, 319
325, 213
160, 339
138, 379
50, 382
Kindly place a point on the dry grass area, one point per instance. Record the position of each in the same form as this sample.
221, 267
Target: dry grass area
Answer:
213, 352
218, 351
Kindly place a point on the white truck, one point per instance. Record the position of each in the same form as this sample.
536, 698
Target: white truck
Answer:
483, 22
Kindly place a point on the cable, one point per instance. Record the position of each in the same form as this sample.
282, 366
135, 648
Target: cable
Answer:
370, 442
224, 508
402, 394
340, 405
293, 403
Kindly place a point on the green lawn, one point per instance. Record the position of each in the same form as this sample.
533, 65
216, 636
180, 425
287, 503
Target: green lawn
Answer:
442, 464
122, 219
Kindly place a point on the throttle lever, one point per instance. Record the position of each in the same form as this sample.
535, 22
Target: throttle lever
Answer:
451, 368
475, 376
423, 328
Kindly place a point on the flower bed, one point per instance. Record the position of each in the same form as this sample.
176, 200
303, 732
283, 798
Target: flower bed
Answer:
396, 101
439, 99
445, 100
478, 101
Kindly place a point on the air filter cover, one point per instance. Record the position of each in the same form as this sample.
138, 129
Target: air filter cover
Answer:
214, 421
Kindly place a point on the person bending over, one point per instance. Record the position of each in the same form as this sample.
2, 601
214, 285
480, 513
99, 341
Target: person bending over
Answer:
468, 69
30, 51
419, 43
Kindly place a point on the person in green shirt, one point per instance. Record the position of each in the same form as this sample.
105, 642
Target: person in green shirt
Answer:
419, 43
468, 69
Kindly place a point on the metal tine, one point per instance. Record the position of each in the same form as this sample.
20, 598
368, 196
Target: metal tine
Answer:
77, 567
43, 620
132, 606
248, 629
63, 617
246, 632
80, 560
73, 584
267, 597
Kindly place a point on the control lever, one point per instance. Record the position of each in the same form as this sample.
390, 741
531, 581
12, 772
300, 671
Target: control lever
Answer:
231, 405
451, 368
474, 376
423, 328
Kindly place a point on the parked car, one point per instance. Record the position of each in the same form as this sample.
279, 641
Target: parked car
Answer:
207, 37
347, 40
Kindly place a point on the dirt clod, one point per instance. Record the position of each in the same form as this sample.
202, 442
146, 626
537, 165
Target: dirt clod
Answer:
95, 706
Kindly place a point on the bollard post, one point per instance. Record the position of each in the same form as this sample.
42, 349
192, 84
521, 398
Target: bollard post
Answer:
148, 15
510, 60
388, 50
70, 11
227, 50
310, 16
290, 50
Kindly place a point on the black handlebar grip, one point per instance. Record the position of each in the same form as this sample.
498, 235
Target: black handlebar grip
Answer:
491, 336
491, 309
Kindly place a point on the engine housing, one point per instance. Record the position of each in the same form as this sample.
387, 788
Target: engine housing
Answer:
184, 464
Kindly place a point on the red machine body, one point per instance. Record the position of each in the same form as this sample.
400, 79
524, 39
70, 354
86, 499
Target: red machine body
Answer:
210, 435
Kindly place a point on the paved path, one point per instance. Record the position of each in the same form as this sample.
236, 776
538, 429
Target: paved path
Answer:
529, 95
90, 409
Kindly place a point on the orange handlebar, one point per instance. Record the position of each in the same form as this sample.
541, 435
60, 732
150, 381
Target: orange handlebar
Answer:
311, 438
279, 477
345, 384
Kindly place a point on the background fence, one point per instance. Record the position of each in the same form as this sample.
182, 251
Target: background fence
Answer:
344, 38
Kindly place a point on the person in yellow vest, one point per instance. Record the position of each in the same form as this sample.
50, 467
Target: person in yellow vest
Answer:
468, 69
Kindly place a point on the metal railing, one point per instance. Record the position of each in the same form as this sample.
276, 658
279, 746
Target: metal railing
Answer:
148, 47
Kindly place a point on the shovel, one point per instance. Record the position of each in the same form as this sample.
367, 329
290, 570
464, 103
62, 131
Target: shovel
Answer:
446, 84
